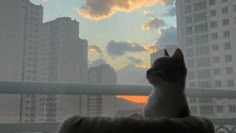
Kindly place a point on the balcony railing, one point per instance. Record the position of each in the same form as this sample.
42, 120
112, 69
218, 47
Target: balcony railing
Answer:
92, 89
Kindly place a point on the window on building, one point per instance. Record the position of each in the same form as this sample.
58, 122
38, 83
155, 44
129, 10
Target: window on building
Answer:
228, 58
206, 110
188, 19
226, 34
189, 41
224, 1
232, 108
216, 71
218, 83
188, 9
193, 110
205, 84
229, 70
235, 8
214, 36
199, 28
190, 52
199, 6
230, 83
203, 62
216, 59
192, 84
189, 30
213, 13
212, 2
214, 24
205, 100
215, 47
204, 74
204, 50
201, 39
191, 75
225, 10
190, 63
192, 99
219, 109
225, 22
200, 17
227, 45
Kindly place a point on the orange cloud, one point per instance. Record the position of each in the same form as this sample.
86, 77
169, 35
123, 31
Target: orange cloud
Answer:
143, 66
135, 99
150, 48
147, 12
101, 9
154, 23
94, 48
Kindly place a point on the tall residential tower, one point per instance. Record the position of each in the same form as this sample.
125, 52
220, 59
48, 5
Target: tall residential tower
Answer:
99, 105
206, 32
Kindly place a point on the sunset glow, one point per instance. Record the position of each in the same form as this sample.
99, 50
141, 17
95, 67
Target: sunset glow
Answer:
135, 99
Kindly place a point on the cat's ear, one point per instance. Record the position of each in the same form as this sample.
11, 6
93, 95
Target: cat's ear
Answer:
178, 56
166, 53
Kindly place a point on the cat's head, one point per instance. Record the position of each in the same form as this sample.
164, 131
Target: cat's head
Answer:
168, 70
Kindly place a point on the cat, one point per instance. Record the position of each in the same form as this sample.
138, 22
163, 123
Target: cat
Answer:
168, 76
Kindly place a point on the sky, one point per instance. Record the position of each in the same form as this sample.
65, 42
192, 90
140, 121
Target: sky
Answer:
122, 33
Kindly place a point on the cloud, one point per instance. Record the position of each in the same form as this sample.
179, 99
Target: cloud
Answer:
132, 75
142, 66
154, 23
171, 12
151, 48
122, 47
147, 12
168, 36
97, 62
169, 2
94, 48
101, 9
134, 60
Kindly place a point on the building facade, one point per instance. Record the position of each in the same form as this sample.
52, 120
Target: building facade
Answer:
33, 51
64, 59
19, 38
101, 105
206, 31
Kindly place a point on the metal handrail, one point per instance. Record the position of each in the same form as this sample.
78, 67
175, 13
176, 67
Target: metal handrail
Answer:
99, 89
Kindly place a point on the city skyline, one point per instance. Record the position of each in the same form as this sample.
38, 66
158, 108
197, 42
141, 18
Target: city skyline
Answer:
45, 75
137, 25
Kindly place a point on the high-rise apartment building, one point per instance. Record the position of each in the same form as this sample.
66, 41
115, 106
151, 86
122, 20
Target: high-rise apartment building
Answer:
101, 105
206, 32
33, 51
63, 58
67, 53
20, 23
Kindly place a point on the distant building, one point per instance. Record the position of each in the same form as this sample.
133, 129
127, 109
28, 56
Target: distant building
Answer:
20, 23
103, 74
101, 105
206, 31
160, 51
67, 54
65, 61
212, 107
33, 51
